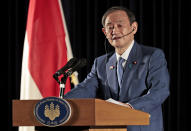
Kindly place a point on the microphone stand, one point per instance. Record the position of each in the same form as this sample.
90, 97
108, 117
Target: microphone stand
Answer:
62, 87
61, 83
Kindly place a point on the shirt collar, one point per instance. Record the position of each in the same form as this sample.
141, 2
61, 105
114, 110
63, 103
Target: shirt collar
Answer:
125, 55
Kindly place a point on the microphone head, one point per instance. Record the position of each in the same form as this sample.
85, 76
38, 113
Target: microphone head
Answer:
72, 62
81, 63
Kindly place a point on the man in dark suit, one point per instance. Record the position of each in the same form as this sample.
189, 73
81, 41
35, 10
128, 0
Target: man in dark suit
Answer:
134, 75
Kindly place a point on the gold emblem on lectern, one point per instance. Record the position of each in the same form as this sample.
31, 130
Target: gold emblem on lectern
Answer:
52, 112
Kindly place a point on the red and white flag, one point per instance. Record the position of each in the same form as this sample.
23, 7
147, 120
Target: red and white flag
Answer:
46, 49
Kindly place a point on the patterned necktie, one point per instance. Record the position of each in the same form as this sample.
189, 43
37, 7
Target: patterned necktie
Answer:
120, 70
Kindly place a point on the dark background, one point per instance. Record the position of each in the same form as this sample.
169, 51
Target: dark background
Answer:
165, 24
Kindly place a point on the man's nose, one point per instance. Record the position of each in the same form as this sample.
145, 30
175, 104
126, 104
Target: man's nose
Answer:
115, 30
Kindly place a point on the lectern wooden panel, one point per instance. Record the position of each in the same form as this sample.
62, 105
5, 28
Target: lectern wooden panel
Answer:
85, 112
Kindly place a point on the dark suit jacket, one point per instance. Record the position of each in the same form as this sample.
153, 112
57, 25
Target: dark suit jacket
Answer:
145, 83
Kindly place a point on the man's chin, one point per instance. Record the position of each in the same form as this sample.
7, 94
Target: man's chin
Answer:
116, 44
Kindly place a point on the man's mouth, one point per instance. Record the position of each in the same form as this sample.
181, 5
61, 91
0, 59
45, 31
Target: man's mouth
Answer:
116, 38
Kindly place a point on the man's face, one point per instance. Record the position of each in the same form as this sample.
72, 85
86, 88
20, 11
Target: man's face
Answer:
116, 28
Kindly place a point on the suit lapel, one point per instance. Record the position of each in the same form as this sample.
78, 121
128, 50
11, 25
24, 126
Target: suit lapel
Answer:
130, 68
112, 76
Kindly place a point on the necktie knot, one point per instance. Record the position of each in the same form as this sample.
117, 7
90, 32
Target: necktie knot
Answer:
121, 60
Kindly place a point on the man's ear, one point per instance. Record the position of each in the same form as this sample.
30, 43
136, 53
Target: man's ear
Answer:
134, 26
103, 30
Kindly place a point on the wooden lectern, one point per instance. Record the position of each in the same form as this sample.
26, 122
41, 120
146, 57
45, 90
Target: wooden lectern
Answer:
96, 114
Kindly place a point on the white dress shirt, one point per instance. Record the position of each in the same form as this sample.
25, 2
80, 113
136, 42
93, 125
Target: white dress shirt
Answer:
125, 55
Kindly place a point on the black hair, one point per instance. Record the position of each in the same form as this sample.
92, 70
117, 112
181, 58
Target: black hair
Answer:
129, 13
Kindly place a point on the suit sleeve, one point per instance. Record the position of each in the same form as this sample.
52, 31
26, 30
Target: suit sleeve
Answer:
87, 88
157, 82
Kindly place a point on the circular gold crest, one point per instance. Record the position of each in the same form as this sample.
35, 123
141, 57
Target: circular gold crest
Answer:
52, 111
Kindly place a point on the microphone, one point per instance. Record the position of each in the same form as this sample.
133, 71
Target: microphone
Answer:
72, 65
81, 63
123, 35
68, 65
128, 33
